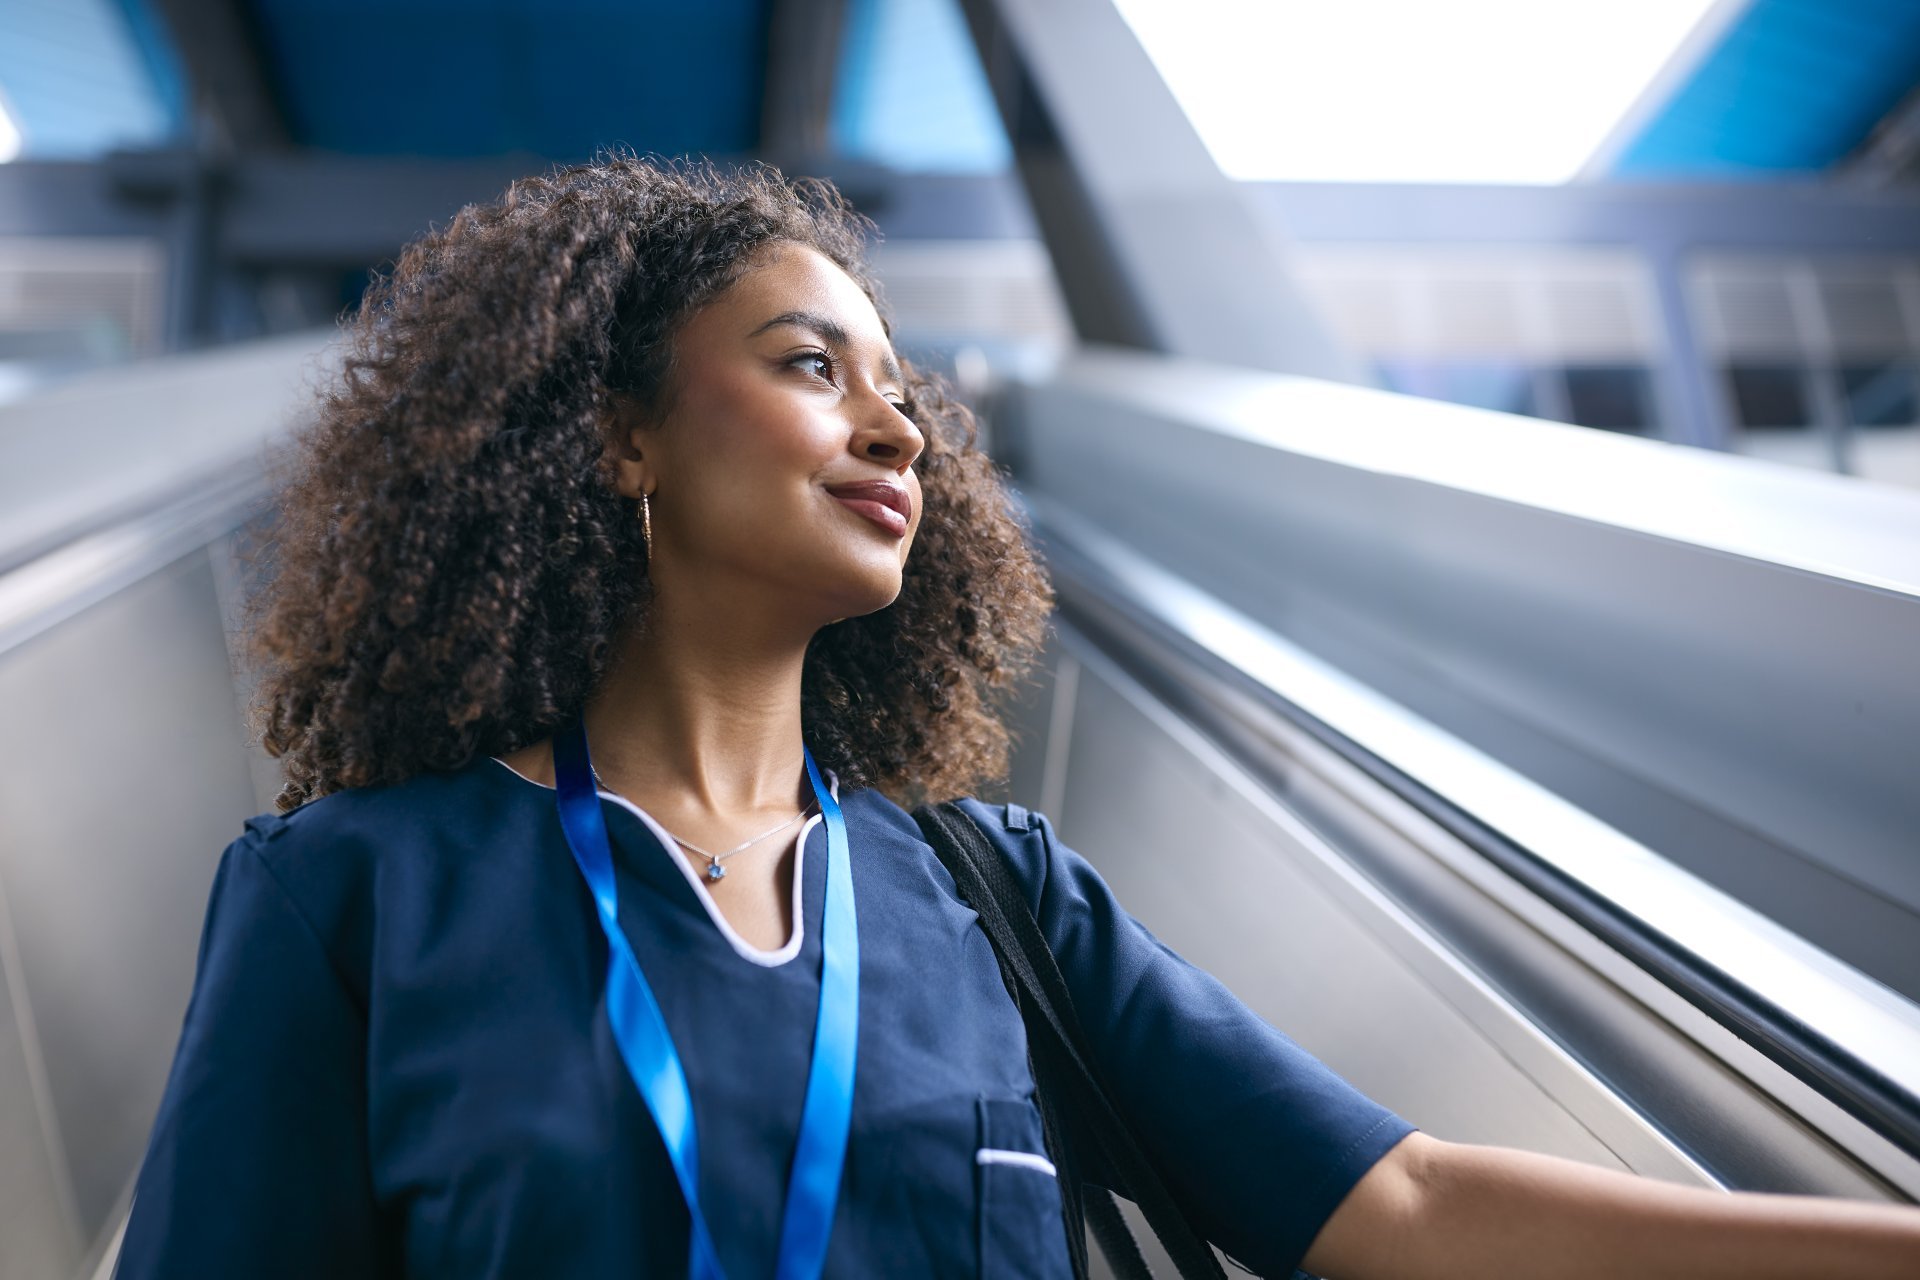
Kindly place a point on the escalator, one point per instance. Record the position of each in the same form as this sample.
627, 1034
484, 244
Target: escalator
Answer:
1313, 708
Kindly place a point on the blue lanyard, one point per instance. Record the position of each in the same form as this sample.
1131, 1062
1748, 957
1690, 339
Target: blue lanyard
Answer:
813, 1185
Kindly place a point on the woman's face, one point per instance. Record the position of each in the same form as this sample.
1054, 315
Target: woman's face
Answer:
784, 466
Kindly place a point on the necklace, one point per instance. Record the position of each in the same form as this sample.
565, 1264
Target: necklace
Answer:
714, 870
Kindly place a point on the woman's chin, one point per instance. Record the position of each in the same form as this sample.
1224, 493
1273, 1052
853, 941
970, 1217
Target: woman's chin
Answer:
870, 594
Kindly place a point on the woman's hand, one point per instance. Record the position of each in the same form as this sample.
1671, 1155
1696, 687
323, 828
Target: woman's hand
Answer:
1432, 1210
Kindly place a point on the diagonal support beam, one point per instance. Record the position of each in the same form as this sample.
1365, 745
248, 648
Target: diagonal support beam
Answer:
231, 87
1154, 246
803, 57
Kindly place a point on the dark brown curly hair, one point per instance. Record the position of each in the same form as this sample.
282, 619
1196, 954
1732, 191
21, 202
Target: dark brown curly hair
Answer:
450, 565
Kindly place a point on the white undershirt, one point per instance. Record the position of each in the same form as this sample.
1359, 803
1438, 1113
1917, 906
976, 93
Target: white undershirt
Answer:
741, 946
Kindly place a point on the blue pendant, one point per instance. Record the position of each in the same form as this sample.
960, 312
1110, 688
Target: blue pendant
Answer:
715, 871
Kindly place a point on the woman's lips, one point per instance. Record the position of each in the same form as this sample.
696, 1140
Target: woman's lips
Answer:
887, 505
878, 512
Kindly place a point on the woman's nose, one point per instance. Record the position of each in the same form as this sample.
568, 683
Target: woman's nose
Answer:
887, 435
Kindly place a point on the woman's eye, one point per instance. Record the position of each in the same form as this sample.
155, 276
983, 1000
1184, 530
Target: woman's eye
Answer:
905, 408
819, 363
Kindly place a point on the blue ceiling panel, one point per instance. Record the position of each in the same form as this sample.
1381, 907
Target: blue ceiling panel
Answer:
912, 93
1794, 85
83, 77
557, 78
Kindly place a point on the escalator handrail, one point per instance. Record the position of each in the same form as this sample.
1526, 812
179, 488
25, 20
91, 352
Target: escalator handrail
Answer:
1850, 1038
113, 549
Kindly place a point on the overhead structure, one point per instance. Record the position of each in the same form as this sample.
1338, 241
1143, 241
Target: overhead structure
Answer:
1155, 248
1786, 87
231, 84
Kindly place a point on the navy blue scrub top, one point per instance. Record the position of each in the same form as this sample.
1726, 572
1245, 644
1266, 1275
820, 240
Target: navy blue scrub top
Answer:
396, 1061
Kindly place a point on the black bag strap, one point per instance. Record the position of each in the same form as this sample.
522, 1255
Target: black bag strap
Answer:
1064, 1069
1073, 1206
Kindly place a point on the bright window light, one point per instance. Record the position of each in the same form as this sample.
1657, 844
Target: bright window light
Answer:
1517, 91
9, 134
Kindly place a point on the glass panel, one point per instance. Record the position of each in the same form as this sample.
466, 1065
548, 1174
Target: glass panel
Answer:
1769, 396
1614, 397
1880, 395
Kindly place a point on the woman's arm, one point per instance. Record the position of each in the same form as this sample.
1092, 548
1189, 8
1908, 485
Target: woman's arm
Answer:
258, 1162
1432, 1210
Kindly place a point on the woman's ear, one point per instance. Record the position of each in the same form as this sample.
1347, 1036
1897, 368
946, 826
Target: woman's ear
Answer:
628, 431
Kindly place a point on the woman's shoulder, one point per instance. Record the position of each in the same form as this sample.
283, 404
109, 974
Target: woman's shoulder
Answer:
345, 833
346, 860
1023, 837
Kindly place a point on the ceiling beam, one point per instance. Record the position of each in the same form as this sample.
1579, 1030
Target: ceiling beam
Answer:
1891, 154
232, 89
803, 63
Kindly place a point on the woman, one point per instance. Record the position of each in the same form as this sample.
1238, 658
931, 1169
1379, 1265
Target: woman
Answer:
628, 575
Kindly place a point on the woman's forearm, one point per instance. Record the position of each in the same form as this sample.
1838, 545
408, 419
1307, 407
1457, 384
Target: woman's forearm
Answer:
1445, 1211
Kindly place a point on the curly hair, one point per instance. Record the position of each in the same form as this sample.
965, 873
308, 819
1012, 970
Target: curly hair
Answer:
450, 566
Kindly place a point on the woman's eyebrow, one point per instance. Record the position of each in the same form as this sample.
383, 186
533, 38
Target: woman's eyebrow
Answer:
833, 331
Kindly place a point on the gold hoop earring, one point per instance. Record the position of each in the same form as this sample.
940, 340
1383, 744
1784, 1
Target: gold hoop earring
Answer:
646, 525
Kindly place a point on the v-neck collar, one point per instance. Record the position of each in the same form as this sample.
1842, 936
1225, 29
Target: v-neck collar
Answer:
763, 957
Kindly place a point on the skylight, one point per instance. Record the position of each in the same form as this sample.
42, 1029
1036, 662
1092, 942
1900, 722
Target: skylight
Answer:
9, 134
1516, 91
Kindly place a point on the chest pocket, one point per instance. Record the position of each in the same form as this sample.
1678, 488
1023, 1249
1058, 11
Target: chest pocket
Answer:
1020, 1231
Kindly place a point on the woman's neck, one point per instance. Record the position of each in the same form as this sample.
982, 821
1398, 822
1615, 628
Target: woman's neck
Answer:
701, 715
